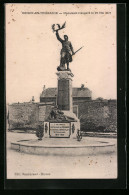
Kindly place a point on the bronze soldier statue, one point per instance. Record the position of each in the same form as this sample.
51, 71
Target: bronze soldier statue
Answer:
67, 49
66, 52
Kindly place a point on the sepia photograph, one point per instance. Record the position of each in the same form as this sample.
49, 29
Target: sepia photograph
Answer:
61, 91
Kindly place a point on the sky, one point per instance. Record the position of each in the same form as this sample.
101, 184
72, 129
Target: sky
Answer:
33, 52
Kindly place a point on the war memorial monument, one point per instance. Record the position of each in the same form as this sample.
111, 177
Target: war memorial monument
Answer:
62, 122
61, 129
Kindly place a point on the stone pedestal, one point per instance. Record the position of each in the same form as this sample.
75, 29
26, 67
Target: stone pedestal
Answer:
64, 94
62, 122
64, 100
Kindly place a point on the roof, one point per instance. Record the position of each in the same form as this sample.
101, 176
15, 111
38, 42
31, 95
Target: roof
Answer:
77, 92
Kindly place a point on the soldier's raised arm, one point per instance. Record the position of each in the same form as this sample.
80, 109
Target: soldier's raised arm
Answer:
58, 37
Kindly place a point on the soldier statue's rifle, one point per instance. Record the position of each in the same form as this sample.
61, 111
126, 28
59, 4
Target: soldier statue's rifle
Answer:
77, 50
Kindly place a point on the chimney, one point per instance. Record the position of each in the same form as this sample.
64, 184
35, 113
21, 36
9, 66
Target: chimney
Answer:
44, 87
82, 86
33, 99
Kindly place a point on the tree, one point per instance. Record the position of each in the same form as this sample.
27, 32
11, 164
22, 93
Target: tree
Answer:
99, 98
40, 132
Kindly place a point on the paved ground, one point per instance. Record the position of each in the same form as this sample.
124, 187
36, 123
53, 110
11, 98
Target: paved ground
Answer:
64, 142
21, 165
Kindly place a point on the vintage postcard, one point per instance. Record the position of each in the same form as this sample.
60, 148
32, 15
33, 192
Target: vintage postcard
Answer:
61, 91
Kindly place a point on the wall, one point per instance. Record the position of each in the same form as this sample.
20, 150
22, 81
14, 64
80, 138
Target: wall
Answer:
27, 115
23, 115
94, 115
98, 115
